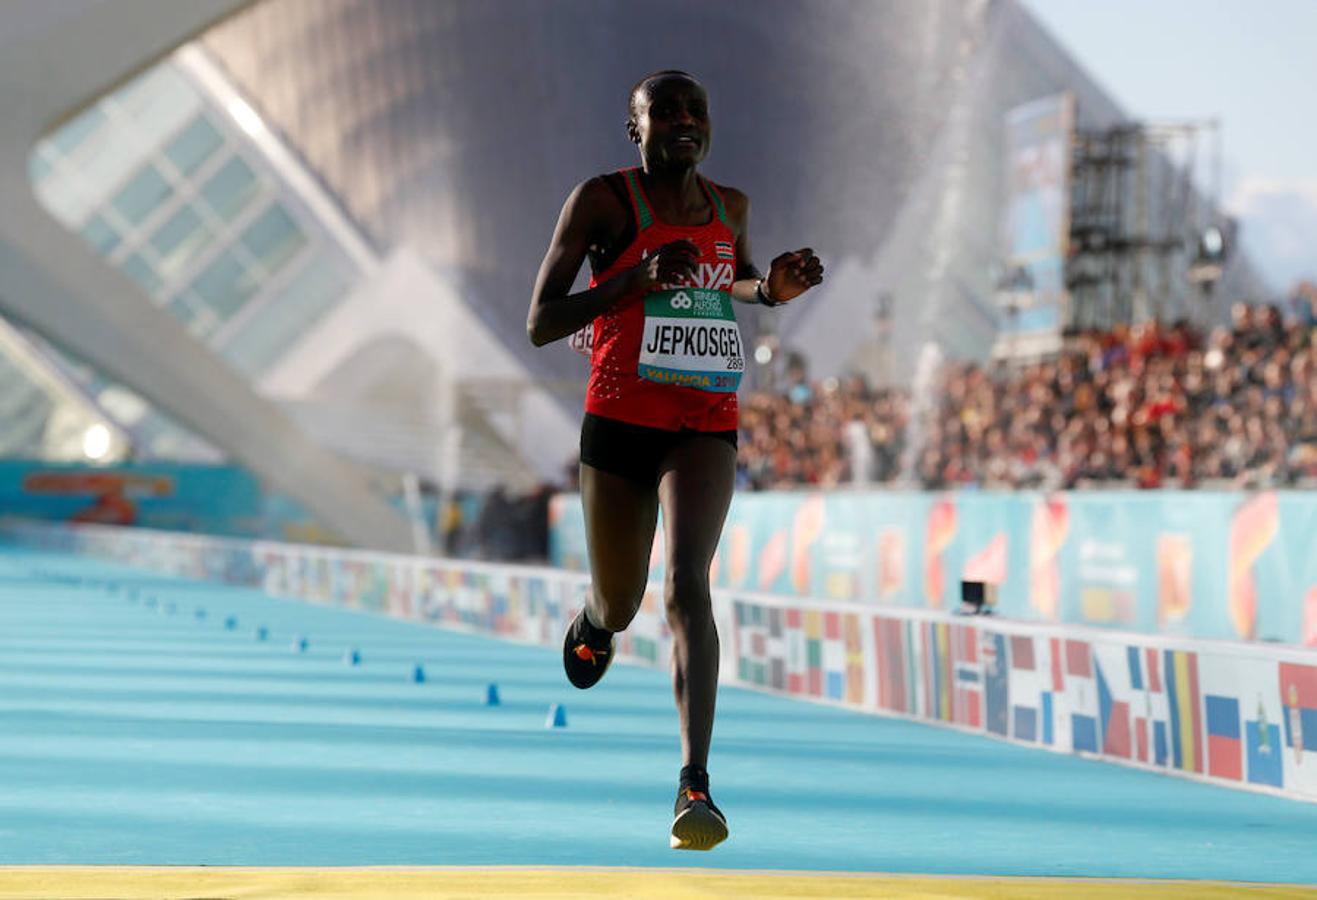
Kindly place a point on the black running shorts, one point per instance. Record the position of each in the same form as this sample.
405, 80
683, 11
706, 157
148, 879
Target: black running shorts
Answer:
634, 451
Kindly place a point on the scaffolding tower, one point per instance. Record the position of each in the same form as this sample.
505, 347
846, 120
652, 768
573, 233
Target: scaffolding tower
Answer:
1138, 208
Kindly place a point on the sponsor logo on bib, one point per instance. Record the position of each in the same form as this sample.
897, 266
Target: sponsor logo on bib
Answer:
691, 338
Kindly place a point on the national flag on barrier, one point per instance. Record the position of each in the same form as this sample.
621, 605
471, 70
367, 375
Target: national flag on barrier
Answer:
836, 662
996, 683
500, 613
400, 597
761, 645
1225, 750
854, 642
936, 657
1185, 716
1030, 689
813, 622
1081, 696
967, 697
1264, 752
1114, 696
895, 669
751, 643
1298, 697
777, 649
1152, 711
797, 652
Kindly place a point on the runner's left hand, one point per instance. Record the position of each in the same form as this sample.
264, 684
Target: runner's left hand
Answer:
791, 274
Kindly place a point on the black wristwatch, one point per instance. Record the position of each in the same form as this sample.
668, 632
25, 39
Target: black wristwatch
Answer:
763, 295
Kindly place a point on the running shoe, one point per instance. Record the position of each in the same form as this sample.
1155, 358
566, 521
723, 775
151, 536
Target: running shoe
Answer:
698, 824
586, 652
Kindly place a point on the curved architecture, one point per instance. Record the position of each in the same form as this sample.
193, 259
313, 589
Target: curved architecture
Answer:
341, 177
54, 60
871, 131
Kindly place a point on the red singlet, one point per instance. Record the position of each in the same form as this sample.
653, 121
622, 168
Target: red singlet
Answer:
640, 370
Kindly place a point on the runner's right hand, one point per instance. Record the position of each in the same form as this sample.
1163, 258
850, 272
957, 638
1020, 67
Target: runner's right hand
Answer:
673, 262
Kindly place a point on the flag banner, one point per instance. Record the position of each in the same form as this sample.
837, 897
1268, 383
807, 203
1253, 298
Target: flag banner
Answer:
1237, 714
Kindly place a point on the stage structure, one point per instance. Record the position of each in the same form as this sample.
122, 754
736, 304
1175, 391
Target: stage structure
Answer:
1144, 212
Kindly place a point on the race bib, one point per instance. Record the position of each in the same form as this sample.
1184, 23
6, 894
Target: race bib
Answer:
582, 341
691, 339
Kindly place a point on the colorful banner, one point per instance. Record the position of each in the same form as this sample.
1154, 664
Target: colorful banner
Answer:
222, 500
1238, 714
1190, 563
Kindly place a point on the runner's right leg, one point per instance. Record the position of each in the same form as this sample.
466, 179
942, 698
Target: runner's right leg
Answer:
620, 518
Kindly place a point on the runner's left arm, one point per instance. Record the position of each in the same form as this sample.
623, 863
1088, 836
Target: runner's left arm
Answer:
789, 275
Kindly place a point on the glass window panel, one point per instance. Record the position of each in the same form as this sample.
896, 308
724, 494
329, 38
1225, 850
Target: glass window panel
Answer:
288, 317
115, 158
142, 195
140, 271
225, 286
273, 238
65, 200
198, 320
179, 240
230, 189
158, 102
100, 234
38, 165
68, 137
194, 145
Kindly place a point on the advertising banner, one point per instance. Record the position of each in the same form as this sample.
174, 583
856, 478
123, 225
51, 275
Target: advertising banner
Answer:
1191, 563
214, 499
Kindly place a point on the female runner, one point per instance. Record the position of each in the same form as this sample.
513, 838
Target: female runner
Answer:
669, 251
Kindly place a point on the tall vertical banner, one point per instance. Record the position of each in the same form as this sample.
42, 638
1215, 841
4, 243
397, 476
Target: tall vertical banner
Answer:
1036, 229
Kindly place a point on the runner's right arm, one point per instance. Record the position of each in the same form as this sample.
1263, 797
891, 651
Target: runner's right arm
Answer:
589, 213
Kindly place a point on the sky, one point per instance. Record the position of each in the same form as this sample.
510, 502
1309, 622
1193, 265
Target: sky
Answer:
1253, 66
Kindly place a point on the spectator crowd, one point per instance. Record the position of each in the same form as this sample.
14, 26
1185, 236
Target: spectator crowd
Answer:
1145, 406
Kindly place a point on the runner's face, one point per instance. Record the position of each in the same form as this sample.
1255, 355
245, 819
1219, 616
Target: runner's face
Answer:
672, 122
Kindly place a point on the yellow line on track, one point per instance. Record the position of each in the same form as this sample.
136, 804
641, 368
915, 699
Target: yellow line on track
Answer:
241, 883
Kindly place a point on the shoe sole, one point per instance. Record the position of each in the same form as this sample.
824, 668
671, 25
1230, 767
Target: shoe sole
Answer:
697, 828
567, 661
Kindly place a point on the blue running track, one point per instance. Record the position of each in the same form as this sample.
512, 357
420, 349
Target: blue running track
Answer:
138, 733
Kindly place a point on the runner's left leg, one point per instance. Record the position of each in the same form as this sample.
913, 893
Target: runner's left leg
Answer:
695, 489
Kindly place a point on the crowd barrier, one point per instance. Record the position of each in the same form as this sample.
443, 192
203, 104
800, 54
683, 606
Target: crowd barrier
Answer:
1178, 563
1232, 713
